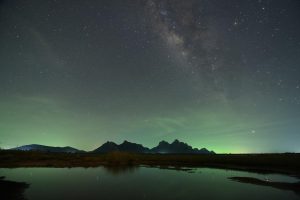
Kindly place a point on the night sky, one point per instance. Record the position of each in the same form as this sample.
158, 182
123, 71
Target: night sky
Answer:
224, 75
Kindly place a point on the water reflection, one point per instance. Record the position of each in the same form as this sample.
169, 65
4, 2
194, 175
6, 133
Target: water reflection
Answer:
131, 182
122, 169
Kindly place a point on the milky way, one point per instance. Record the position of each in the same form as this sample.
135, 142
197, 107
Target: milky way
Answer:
192, 41
220, 75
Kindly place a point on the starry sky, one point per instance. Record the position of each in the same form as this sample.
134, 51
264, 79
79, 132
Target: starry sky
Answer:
224, 75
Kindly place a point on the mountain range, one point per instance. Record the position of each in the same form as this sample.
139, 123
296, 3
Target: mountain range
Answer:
176, 147
43, 148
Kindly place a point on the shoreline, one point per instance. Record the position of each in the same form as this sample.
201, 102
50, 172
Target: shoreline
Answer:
295, 187
287, 164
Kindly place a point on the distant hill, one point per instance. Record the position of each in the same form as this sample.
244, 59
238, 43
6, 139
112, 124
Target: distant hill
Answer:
163, 147
43, 148
125, 146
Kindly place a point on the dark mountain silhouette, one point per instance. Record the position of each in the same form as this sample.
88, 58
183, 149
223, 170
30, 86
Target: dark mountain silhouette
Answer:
125, 147
162, 148
133, 147
107, 147
178, 147
43, 148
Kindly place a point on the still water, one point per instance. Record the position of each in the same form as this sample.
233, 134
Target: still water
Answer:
142, 183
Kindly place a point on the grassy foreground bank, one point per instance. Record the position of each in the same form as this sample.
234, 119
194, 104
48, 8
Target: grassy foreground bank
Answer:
276, 163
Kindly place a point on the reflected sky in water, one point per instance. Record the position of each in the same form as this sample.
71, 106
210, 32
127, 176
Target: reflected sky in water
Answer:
142, 183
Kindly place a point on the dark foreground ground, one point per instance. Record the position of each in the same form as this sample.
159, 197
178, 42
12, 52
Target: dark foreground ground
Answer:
264, 163
295, 187
11, 190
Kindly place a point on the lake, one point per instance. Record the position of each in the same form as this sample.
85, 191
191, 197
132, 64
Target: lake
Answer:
143, 183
